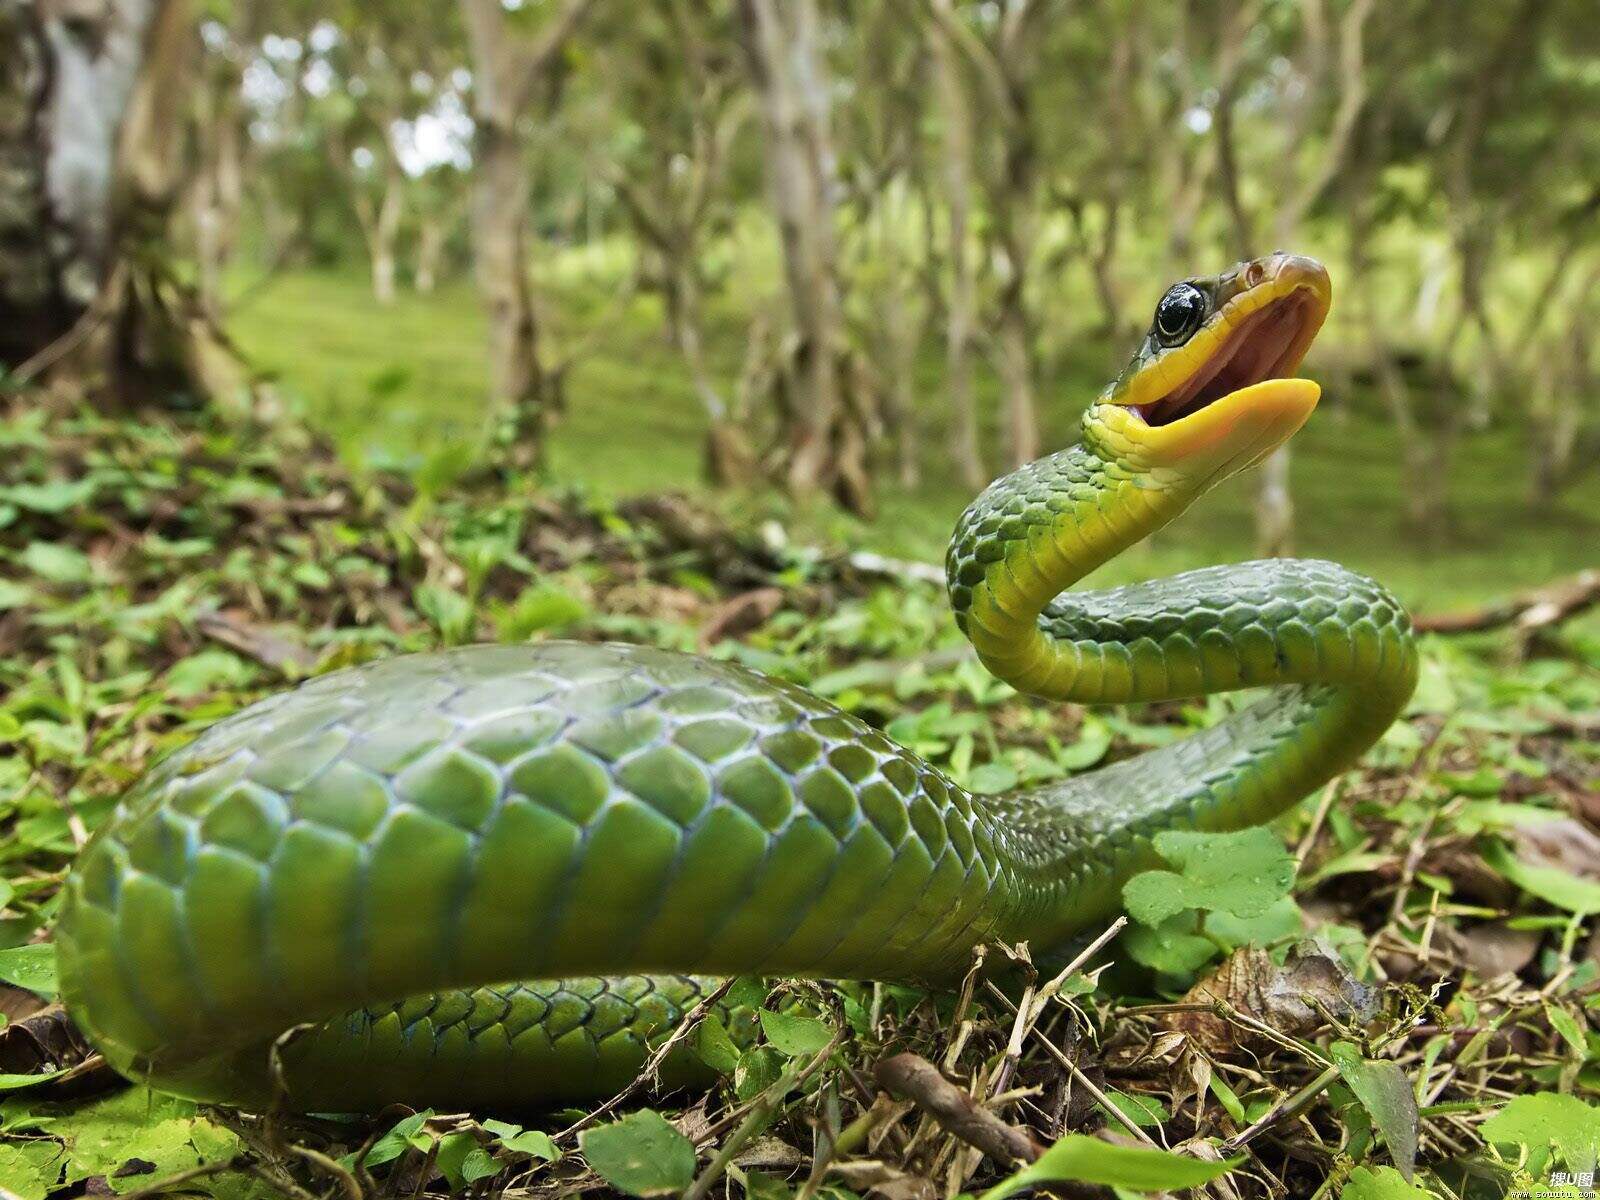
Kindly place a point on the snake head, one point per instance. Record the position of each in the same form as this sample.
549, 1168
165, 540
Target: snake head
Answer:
1211, 388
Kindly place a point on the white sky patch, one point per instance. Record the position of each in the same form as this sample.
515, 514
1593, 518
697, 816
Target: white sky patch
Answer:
1198, 119
318, 78
281, 48
263, 88
441, 136
324, 37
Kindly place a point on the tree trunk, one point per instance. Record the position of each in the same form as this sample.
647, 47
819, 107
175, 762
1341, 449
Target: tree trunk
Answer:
92, 125
1425, 451
431, 234
826, 440
218, 193
217, 207
507, 65
63, 89
500, 240
1555, 417
385, 232
729, 460
961, 307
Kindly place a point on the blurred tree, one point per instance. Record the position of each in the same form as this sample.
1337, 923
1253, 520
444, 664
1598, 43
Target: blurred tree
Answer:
999, 47
1318, 89
514, 55
92, 135
888, 306
681, 102
438, 200
825, 419
216, 193
961, 298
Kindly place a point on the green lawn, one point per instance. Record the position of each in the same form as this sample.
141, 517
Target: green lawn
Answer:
404, 384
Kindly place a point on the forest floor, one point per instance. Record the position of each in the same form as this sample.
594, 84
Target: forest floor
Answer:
158, 573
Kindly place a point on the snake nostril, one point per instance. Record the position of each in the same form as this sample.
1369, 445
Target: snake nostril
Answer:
1254, 274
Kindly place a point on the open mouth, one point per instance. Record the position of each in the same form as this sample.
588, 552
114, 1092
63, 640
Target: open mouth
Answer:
1265, 344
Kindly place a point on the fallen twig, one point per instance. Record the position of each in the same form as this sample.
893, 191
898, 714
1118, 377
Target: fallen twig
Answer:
260, 645
917, 1079
1529, 611
1289, 1106
1079, 1077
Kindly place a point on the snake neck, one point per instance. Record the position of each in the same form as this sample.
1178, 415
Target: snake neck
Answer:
1334, 647
1033, 534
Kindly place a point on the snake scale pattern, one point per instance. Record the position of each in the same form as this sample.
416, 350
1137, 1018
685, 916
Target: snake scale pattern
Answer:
368, 859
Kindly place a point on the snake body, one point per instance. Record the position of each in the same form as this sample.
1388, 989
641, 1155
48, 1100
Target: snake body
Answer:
396, 841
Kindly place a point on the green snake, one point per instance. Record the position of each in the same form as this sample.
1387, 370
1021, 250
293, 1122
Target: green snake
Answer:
368, 859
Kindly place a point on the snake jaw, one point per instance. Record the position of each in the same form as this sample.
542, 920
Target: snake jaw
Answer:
1225, 397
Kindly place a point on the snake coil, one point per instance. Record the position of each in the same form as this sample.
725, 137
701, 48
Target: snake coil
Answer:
369, 858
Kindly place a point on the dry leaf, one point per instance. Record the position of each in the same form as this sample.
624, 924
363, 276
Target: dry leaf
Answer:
741, 614
1252, 984
1491, 950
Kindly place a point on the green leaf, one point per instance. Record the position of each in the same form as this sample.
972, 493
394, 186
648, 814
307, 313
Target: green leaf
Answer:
54, 497
714, 1047
1242, 873
207, 671
1282, 920
758, 1185
31, 967
992, 777
1094, 739
1543, 1119
454, 1150
160, 1130
447, 611
1386, 1094
30, 1169
641, 1154
1564, 1023
759, 1068
1172, 948
540, 607
795, 1035
394, 1143
56, 561
1089, 1160
479, 1164
1141, 1110
1228, 1098
533, 1142
747, 991
1380, 1183
1550, 884
11, 1083
14, 594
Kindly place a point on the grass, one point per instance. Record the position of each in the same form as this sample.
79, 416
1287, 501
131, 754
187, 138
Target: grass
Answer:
401, 384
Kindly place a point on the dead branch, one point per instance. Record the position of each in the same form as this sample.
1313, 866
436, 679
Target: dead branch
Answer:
915, 1078
1530, 612
257, 644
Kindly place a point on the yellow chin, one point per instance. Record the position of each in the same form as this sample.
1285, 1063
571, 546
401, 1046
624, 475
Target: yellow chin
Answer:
1226, 436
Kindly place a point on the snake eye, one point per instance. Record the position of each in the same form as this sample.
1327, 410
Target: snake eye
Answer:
1179, 313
